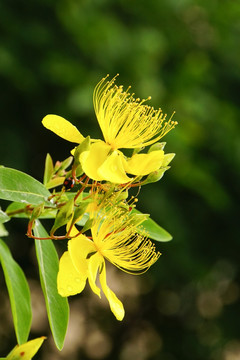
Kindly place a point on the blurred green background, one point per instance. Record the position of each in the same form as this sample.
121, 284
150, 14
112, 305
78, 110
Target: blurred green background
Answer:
185, 54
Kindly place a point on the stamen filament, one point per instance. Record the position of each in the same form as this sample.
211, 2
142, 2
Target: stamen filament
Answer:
127, 122
123, 246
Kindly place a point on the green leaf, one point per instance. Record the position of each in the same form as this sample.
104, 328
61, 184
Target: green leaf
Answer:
63, 216
87, 225
84, 146
57, 181
83, 220
19, 294
49, 169
79, 212
154, 231
18, 186
57, 306
3, 231
66, 163
3, 217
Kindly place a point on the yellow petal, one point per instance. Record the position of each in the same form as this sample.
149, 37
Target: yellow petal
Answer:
144, 164
62, 128
26, 351
115, 304
95, 263
113, 169
69, 280
79, 249
91, 160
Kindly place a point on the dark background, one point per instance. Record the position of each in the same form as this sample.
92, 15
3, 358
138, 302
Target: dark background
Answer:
185, 54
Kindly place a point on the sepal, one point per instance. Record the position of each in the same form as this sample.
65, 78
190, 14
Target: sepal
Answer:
63, 216
167, 159
155, 175
84, 146
157, 146
79, 212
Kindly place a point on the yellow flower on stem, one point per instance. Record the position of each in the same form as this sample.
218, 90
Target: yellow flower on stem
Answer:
114, 238
126, 123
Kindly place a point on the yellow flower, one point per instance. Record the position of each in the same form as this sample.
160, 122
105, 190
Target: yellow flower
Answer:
114, 238
126, 123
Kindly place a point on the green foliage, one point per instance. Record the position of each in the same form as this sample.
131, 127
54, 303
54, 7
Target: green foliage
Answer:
153, 230
3, 231
79, 212
19, 293
3, 217
18, 186
63, 216
49, 169
54, 175
84, 146
57, 306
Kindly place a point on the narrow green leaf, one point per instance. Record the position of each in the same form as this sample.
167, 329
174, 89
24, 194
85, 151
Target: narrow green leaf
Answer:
63, 215
18, 186
83, 220
79, 211
19, 294
57, 306
154, 231
3, 231
3, 217
66, 163
49, 169
57, 181
84, 146
87, 225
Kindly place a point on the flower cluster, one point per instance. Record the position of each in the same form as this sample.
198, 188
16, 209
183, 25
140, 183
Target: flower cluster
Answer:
102, 173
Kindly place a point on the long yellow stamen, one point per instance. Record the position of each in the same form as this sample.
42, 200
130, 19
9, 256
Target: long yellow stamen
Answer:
115, 237
127, 122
